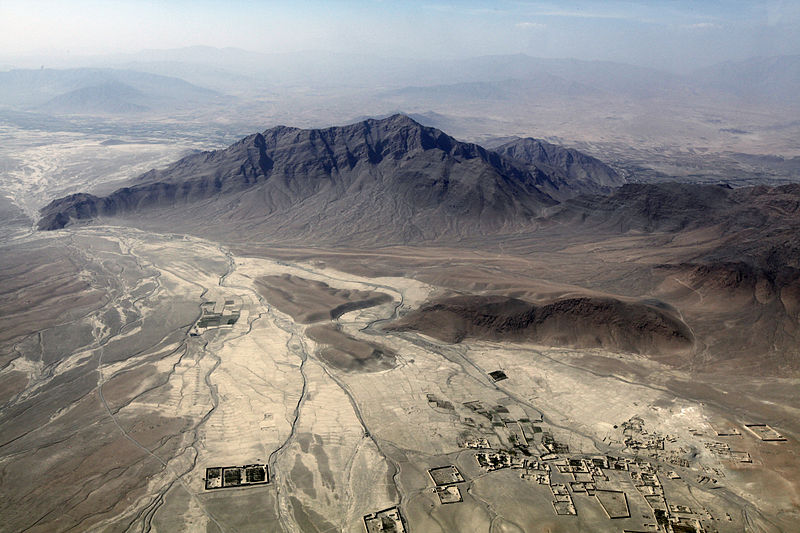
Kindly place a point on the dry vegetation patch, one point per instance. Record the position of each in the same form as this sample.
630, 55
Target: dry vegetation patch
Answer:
308, 301
348, 353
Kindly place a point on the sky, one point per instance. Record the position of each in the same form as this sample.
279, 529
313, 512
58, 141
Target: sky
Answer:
675, 35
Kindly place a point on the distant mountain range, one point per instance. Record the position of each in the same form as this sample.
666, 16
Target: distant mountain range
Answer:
523, 79
230, 70
99, 91
757, 76
775, 79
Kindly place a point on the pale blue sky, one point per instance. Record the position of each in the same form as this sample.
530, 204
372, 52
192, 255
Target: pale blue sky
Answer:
668, 34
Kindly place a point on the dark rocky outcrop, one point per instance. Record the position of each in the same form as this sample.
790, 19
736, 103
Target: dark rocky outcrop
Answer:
572, 171
584, 321
650, 207
673, 207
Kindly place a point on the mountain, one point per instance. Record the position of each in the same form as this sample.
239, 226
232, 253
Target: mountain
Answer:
325, 69
498, 77
602, 76
719, 255
741, 237
316, 68
505, 90
95, 90
390, 180
667, 207
673, 207
772, 79
393, 181
521, 78
571, 169
111, 97
396, 181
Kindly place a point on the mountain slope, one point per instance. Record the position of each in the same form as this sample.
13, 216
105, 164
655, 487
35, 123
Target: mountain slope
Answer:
111, 97
773, 79
673, 207
668, 206
572, 171
389, 180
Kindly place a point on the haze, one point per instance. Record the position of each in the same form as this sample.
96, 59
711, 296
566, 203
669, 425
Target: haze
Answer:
678, 35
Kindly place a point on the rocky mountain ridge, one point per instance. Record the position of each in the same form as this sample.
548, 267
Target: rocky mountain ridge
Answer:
393, 179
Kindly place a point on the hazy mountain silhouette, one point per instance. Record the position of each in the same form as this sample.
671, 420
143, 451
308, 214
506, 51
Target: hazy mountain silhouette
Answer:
772, 79
110, 97
89, 90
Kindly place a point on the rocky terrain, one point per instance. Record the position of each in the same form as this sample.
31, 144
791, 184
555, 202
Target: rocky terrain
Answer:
574, 172
579, 322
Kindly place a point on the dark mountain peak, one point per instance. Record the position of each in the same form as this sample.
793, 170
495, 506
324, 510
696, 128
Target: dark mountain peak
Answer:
574, 172
254, 139
59, 212
279, 130
528, 144
391, 123
394, 137
396, 120
532, 150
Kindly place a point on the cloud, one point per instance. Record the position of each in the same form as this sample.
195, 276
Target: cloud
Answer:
530, 25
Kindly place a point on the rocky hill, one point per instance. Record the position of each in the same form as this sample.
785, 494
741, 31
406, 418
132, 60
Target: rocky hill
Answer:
586, 322
572, 170
390, 180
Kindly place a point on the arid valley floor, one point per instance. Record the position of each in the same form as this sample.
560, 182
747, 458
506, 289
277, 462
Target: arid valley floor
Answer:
155, 381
